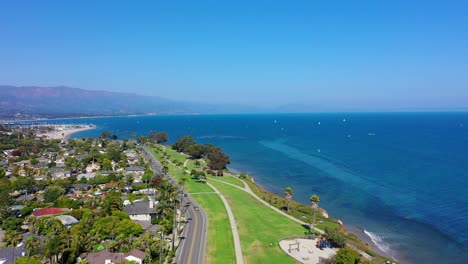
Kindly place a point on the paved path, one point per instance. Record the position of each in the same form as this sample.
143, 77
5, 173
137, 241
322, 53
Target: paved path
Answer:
232, 221
248, 190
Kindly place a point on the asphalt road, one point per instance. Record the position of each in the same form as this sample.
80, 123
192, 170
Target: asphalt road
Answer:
192, 244
193, 238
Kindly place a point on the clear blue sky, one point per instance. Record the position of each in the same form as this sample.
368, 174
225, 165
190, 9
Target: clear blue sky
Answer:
343, 54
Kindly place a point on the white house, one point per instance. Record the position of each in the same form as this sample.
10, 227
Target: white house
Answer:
141, 210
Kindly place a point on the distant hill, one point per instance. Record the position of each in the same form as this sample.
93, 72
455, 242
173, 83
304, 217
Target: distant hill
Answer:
31, 101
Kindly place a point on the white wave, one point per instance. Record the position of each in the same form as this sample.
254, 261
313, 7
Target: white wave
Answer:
378, 241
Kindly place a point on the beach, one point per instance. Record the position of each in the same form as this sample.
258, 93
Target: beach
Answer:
64, 132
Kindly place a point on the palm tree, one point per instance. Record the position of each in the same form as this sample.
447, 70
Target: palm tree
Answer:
32, 245
288, 193
314, 200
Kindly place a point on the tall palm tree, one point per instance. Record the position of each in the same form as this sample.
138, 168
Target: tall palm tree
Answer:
314, 200
32, 245
288, 193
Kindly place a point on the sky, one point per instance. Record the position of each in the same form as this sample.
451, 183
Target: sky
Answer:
366, 55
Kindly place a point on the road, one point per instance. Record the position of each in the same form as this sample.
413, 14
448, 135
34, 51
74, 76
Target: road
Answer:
192, 241
192, 247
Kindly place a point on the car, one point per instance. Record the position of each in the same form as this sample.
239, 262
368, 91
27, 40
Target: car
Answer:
196, 208
185, 195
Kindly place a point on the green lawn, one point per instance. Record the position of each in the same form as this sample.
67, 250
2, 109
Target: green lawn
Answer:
259, 226
219, 243
229, 179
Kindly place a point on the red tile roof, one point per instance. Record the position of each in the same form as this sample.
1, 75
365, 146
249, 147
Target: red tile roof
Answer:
48, 211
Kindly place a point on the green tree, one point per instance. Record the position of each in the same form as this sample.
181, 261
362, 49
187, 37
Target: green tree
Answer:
12, 238
113, 150
196, 151
32, 246
183, 143
314, 200
6, 201
106, 164
288, 194
53, 192
347, 256
217, 160
158, 137
12, 223
112, 202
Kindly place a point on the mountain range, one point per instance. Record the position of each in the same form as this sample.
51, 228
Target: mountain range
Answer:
54, 102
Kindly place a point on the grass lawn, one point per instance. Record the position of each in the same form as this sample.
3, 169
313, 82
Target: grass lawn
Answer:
229, 179
298, 210
219, 241
259, 226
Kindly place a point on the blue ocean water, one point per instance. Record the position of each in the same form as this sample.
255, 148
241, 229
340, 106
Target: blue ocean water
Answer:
400, 178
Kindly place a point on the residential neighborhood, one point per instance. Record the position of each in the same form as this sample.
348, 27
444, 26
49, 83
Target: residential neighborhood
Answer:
93, 200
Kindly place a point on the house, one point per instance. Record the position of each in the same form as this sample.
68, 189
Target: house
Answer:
81, 187
48, 211
93, 167
106, 257
87, 176
25, 197
141, 210
67, 220
137, 172
59, 173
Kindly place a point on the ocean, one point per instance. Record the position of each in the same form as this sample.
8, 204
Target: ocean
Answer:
398, 179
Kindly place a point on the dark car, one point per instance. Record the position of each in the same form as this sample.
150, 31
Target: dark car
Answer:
196, 208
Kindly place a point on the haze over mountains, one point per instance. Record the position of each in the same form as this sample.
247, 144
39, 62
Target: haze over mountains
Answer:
53, 102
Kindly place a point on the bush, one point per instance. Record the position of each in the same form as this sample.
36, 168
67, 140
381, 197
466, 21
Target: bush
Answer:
335, 237
347, 256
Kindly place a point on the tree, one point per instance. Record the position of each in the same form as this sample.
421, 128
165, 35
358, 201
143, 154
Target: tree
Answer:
24, 183
288, 193
32, 246
347, 256
113, 150
53, 192
196, 151
106, 164
6, 201
216, 157
12, 223
314, 200
158, 137
112, 202
12, 238
105, 134
183, 143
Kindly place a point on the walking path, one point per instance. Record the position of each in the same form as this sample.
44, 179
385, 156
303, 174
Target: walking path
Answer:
232, 221
248, 190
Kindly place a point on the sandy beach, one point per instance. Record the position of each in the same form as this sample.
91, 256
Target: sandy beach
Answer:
64, 132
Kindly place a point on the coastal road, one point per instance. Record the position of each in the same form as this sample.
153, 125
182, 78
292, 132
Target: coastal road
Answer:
192, 244
192, 241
